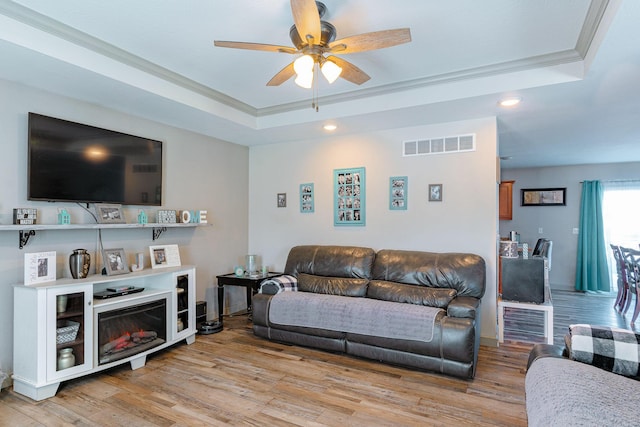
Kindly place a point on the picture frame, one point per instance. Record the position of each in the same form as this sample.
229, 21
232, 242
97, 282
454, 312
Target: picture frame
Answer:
164, 256
543, 196
307, 204
398, 192
282, 200
39, 267
435, 192
115, 261
109, 214
349, 197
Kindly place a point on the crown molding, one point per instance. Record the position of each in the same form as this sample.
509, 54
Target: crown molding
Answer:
55, 28
541, 61
592, 22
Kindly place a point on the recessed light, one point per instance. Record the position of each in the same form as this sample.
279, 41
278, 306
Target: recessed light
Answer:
330, 127
510, 102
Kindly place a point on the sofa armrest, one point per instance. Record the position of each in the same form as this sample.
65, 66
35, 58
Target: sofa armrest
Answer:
545, 350
464, 307
260, 309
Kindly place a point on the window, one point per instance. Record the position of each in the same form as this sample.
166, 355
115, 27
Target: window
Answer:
620, 208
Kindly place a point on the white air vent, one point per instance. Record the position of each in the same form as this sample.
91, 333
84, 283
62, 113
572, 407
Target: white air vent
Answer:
447, 144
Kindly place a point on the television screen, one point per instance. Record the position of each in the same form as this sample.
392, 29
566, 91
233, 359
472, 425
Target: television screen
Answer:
73, 162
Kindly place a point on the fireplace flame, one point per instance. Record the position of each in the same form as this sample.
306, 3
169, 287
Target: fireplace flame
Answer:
126, 331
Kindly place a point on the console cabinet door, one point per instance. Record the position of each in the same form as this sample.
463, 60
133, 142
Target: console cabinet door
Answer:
69, 335
183, 317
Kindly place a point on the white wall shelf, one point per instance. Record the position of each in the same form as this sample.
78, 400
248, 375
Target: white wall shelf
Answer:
26, 231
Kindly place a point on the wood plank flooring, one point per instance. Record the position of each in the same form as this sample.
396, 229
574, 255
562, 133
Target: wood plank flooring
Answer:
568, 308
234, 378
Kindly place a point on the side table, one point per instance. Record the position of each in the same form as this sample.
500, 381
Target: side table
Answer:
546, 307
250, 283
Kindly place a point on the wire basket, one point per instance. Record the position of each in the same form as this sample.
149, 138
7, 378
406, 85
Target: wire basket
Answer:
67, 331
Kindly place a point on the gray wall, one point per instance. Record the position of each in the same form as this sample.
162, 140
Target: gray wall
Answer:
200, 173
465, 220
558, 222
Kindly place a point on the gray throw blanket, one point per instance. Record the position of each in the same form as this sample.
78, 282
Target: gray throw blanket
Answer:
364, 316
563, 393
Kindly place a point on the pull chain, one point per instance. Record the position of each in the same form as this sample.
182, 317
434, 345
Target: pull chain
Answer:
315, 89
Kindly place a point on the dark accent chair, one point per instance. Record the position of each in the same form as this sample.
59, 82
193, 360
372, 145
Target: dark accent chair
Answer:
631, 272
543, 249
623, 283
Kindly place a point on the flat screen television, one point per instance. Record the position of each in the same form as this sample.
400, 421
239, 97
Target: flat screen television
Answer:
73, 162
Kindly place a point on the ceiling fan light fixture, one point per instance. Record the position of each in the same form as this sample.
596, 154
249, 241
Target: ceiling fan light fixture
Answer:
305, 80
303, 65
331, 71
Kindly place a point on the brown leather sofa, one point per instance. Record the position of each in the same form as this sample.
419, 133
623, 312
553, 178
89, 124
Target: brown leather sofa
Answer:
454, 282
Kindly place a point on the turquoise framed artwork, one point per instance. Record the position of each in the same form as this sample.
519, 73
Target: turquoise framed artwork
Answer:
307, 204
398, 186
349, 197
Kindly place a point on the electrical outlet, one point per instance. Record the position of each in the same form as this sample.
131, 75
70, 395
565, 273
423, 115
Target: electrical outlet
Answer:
576, 231
540, 230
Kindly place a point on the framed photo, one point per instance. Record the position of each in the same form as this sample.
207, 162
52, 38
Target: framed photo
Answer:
39, 267
349, 197
398, 193
282, 200
109, 214
543, 197
164, 256
435, 192
115, 261
307, 204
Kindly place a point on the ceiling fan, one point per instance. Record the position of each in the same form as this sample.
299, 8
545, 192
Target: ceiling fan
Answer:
313, 39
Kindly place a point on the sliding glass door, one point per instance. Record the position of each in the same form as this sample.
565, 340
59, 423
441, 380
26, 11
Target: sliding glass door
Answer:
621, 215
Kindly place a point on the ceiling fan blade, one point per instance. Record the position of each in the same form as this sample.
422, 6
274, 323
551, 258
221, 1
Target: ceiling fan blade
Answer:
255, 46
349, 71
306, 19
282, 76
371, 41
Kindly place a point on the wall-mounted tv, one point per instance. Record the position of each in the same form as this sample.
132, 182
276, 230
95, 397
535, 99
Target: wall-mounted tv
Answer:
73, 162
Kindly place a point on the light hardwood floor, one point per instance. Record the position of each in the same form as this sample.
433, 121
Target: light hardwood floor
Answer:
568, 308
235, 378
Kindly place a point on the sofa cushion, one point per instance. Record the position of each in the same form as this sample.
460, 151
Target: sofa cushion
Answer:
344, 286
466, 273
330, 261
612, 349
412, 294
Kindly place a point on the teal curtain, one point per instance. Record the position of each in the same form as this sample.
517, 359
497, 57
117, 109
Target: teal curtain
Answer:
592, 272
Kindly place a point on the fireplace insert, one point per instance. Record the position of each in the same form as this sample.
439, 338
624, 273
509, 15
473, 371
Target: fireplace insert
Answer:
129, 328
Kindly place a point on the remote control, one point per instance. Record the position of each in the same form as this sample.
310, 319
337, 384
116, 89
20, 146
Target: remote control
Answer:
121, 289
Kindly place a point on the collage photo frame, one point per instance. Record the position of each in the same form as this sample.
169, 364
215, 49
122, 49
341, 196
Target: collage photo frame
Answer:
398, 187
349, 197
307, 203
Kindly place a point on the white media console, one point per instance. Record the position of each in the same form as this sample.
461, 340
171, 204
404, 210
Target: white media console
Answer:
63, 314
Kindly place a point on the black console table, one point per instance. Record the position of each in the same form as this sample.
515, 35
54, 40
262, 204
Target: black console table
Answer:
250, 283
